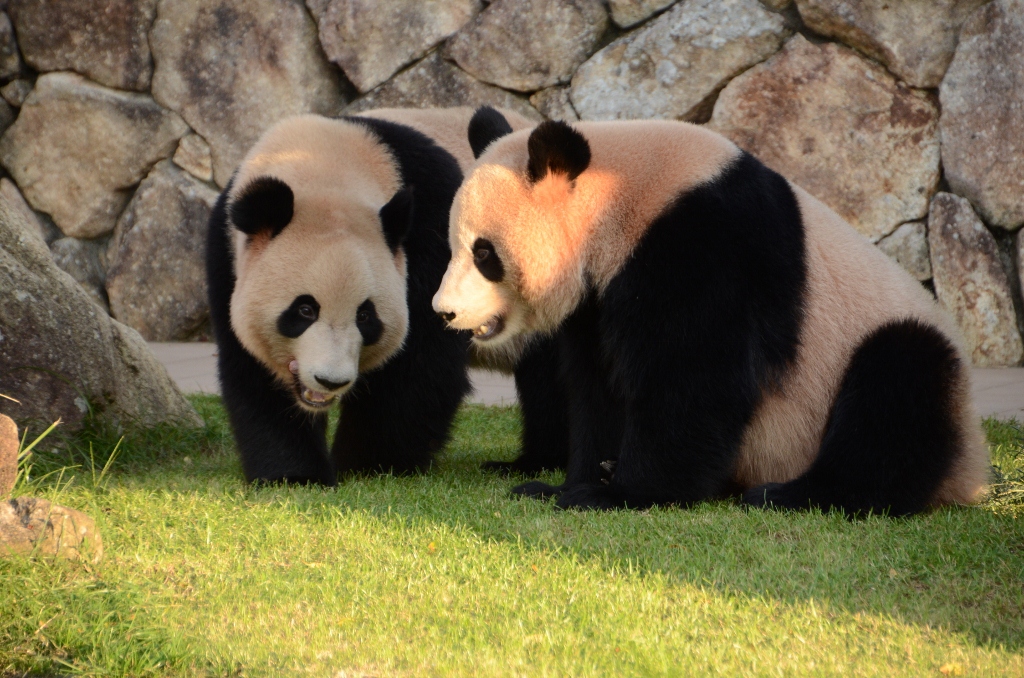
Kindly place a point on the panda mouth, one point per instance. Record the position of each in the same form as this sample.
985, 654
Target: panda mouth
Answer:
317, 400
489, 329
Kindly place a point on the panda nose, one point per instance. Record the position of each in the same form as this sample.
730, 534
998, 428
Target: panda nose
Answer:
331, 385
447, 315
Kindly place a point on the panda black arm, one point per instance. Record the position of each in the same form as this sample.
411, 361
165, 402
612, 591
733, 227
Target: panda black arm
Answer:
276, 441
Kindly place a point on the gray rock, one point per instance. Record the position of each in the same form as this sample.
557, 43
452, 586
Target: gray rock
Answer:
525, 45
104, 40
777, 5
78, 148
47, 230
554, 104
914, 38
971, 283
60, 355
81, 259
232, 68
434, 82
673, 66
32, 526
370, 40
983, 114
10, 59
7, 115
9, 445
908, 246
157, 277
16, 91
193, 156
841, 127
628, 13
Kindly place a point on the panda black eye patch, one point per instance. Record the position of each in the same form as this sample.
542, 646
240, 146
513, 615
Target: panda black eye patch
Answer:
487, 260
295, 319
370, 326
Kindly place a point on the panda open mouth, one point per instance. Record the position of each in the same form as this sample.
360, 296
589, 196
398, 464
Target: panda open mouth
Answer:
489, 329
317, 400
314, 399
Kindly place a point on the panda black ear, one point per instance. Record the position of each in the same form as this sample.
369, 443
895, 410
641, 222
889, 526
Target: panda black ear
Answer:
486, 126
556, 147
396, 218
266, 204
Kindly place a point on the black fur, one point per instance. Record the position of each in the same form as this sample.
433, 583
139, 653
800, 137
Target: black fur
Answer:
891, 436
556, 147
487, 260
664, 369
397, 217
265, 204
369, 323
395, 417
542, 403
296, 318
486, 126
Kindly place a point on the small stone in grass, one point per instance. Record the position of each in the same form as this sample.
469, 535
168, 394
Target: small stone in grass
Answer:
35, 526
8, 454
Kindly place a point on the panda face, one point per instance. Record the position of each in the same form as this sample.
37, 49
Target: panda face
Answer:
316, 304
517, 241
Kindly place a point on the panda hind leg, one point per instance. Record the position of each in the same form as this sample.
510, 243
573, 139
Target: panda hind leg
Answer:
893, 434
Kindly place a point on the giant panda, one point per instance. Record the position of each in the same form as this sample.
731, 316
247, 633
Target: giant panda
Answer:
723, 332
322, 255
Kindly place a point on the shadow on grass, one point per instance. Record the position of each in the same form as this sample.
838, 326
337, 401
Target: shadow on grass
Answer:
959, 569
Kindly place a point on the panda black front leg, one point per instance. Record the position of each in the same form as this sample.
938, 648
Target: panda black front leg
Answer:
594, 414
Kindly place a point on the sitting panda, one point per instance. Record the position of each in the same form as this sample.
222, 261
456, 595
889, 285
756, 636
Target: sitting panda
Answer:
721, 330
323, 253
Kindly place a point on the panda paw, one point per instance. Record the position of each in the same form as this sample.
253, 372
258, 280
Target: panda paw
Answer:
767, 496
590, 497
536, 490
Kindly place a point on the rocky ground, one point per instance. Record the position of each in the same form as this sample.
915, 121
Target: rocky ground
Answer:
124, 118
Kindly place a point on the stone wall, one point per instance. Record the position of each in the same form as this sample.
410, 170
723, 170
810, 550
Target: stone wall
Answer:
123, 118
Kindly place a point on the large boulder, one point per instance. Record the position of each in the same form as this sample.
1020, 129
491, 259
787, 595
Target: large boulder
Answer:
78, 149
673, 66
370, 40
102, 39
983, 114
157, 277
841, 127
232, 68
434, 82
914, 38
971, 283
525, 45
32, 526
61, 355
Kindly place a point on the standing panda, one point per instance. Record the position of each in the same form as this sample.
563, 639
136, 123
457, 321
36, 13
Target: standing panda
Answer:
323, 253
721, 329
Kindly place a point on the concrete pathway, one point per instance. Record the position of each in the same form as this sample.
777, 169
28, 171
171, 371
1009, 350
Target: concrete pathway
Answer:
997, 391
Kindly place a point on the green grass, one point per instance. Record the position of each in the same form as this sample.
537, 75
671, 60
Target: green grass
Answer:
444, 575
